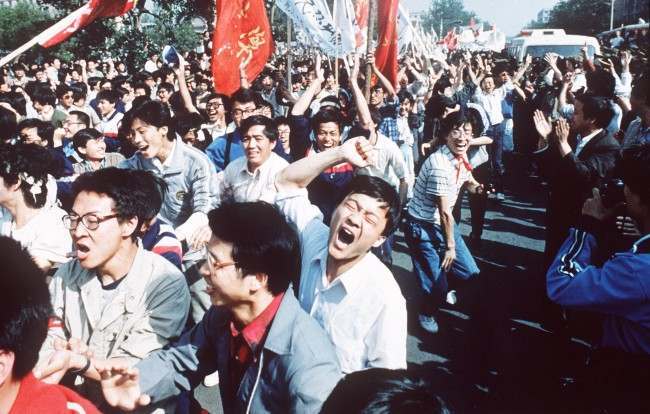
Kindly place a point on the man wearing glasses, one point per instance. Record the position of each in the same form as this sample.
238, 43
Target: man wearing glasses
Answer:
270, 355
227, 148
115, 300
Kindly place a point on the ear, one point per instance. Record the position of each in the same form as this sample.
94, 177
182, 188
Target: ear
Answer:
379, 241
274, 143
129, 227
82, 150
163, 130
258, 282
7, 359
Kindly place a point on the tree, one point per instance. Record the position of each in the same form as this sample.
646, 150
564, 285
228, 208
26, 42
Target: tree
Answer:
450, 12
585, 17
20, 23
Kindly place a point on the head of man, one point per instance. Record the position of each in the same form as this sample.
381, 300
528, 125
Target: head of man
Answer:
365, 217
253, 253
25, 310
591, 113
487, 84
267, 82
105, 218
243, 105
406, 102
165, 91
377, 95
150, 129
35, 131
327, 127
106, 102
43, 100
89, 143
284, 132
75, 121
635, 167
259, 136
141, 89
457, 130
187, 126
64, 96
215, 106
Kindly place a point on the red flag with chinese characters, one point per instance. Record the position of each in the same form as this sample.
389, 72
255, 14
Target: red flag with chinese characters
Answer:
82, 17
242, 37
386, 52
361, 31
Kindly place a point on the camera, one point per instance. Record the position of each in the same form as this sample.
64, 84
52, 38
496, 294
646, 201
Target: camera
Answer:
612, 192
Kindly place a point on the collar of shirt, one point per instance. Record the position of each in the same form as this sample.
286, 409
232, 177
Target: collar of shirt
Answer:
262, 168
349, 279
584, 141
171, 162
251, 336
110, 116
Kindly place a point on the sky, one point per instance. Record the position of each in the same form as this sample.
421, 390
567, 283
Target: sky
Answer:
509, 16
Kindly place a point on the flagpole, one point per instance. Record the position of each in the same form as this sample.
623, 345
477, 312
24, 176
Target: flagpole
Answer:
289, 56
56, 27
372, 17
338, 42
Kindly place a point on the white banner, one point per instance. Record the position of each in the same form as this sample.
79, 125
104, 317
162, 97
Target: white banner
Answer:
405, 32
345, 20
314, 18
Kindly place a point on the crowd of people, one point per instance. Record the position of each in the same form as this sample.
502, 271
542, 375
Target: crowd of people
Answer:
190, 237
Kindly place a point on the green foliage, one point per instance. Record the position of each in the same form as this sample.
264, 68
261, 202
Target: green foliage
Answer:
450, 12
584, 17
20, 23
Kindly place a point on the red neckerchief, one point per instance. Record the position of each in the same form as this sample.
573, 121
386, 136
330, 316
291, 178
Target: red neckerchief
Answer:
461, 160
244, 343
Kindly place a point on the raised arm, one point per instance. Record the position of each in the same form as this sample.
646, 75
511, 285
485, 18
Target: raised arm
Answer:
551, 59
356, 151
359, 99
305, 100
182, 87
382, 79
522, 69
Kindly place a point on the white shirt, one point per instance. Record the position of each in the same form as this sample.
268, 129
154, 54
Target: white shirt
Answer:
240, 185
389, 162
441, 175
362, 310
109, 125
492, 102
44, 236
584, 141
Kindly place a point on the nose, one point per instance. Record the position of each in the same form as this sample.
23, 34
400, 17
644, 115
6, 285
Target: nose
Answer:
78, 231
204, 269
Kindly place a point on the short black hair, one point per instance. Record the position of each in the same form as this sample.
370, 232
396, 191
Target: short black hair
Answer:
61, 90
121, 186
281, 120
43, 96
383, 391
601, 83
44, 129
33, 163
25, 307
109, 95
380, 190
326, 115
451, 122
405, 95
263, 241
153, 113
81, 138
154, 188
213, 95
597, 108
8, 124
142, 85
635, 170
79, 91
270, 130
166, 86
187, 121
243, 95
82, 117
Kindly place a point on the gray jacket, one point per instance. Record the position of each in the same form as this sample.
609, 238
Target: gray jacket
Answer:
295, 372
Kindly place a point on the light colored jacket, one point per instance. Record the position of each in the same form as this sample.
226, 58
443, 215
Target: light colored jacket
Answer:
295, 373
147, 310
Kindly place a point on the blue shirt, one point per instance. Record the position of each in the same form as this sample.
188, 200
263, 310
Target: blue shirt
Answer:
216, 151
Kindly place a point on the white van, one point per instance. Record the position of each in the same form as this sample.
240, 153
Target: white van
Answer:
538, 42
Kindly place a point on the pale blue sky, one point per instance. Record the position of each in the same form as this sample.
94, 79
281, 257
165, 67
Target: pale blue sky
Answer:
508, 15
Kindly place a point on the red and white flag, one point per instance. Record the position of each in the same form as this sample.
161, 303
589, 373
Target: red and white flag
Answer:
361, 30
242, 37
386, 52
82, 17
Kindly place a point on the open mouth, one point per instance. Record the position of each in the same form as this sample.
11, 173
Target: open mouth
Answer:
82, 251
345, 236
143, 148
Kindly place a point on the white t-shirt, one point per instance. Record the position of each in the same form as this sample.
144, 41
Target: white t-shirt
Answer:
44, 236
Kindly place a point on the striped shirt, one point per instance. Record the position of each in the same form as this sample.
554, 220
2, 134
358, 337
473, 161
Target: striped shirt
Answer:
441, 175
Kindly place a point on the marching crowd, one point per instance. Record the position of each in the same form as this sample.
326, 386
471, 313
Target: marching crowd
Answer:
158, 235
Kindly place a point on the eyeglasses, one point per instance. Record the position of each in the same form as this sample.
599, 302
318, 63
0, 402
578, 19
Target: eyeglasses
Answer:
239, 112
72, 123
213, 104
91, 221
213, 263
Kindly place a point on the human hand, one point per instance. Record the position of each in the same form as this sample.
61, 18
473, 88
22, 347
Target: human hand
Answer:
82, 63
370, 59
198, 239
594, 207
318, 70
63, 359
562, 131
627, 226
448, 259
120, 385
626, 58
542, 125
551, 59
358, 152
355, 70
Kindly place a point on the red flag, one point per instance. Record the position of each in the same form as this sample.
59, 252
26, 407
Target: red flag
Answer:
361, 12
451, 40
386, 53
82, 17
242, 36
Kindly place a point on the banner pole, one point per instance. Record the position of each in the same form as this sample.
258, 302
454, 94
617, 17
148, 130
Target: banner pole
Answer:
372, 18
